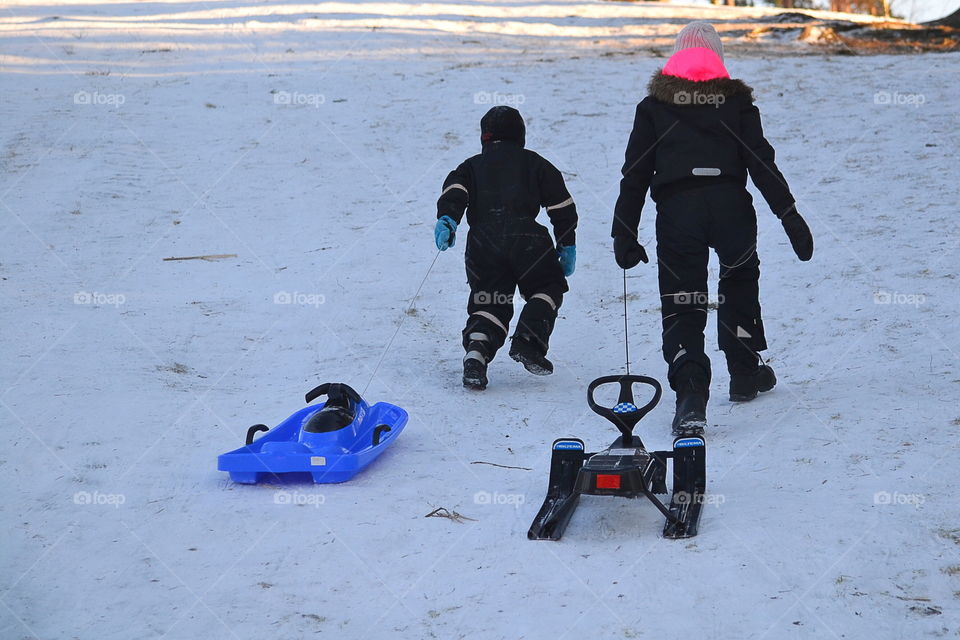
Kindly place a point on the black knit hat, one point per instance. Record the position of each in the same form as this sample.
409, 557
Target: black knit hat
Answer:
502, 123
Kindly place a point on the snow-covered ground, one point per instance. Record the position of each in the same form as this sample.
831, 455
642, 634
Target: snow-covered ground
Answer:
913, 10
314, 150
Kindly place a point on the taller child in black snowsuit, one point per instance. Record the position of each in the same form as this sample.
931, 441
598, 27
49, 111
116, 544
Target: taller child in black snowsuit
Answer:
502, 190
695, 138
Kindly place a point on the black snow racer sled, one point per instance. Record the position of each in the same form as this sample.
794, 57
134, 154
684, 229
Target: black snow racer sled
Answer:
624, 469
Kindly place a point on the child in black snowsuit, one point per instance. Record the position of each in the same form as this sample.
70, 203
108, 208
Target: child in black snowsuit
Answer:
695, 138
502, 191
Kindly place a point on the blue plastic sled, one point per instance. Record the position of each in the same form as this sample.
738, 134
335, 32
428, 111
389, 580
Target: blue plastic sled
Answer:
333, 441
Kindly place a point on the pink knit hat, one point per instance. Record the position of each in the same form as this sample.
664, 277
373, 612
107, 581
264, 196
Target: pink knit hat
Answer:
699, 34
697, 64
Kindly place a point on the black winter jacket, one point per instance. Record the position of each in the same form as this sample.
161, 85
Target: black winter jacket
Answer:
507, 182
688, 133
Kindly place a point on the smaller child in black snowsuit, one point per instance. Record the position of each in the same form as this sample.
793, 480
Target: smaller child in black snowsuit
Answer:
695, 138
502, 190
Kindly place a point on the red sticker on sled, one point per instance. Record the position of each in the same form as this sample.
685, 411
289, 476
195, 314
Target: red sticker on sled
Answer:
606, 481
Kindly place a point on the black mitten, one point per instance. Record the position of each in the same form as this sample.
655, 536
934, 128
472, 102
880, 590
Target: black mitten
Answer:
628, 252
799, 234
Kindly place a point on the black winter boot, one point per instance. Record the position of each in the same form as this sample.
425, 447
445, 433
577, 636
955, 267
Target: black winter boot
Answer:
748, 377
745, 387
693, 390
529, 355
474, 374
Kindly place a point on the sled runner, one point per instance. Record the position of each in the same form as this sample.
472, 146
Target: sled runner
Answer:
624, 469
332, 441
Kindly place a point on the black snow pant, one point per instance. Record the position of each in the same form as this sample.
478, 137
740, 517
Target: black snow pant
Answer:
500, 257
689, 223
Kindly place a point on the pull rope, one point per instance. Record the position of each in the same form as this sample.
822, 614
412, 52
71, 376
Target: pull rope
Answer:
406, 312
626, 334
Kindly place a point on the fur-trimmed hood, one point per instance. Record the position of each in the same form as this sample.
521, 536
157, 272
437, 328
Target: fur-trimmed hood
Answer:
680, 91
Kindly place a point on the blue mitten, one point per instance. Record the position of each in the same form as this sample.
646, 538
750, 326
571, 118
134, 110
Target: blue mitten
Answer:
445, 233
568, 259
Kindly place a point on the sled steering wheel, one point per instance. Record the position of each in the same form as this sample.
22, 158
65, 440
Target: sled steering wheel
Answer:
333, 390
625, 414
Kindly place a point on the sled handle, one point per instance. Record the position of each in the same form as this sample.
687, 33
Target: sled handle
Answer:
254, 429
333, 389
626, 414
378, 432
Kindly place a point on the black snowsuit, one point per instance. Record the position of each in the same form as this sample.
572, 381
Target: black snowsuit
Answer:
502, 191
693, 144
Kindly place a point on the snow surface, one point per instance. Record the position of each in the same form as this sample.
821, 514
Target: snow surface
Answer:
314, 150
